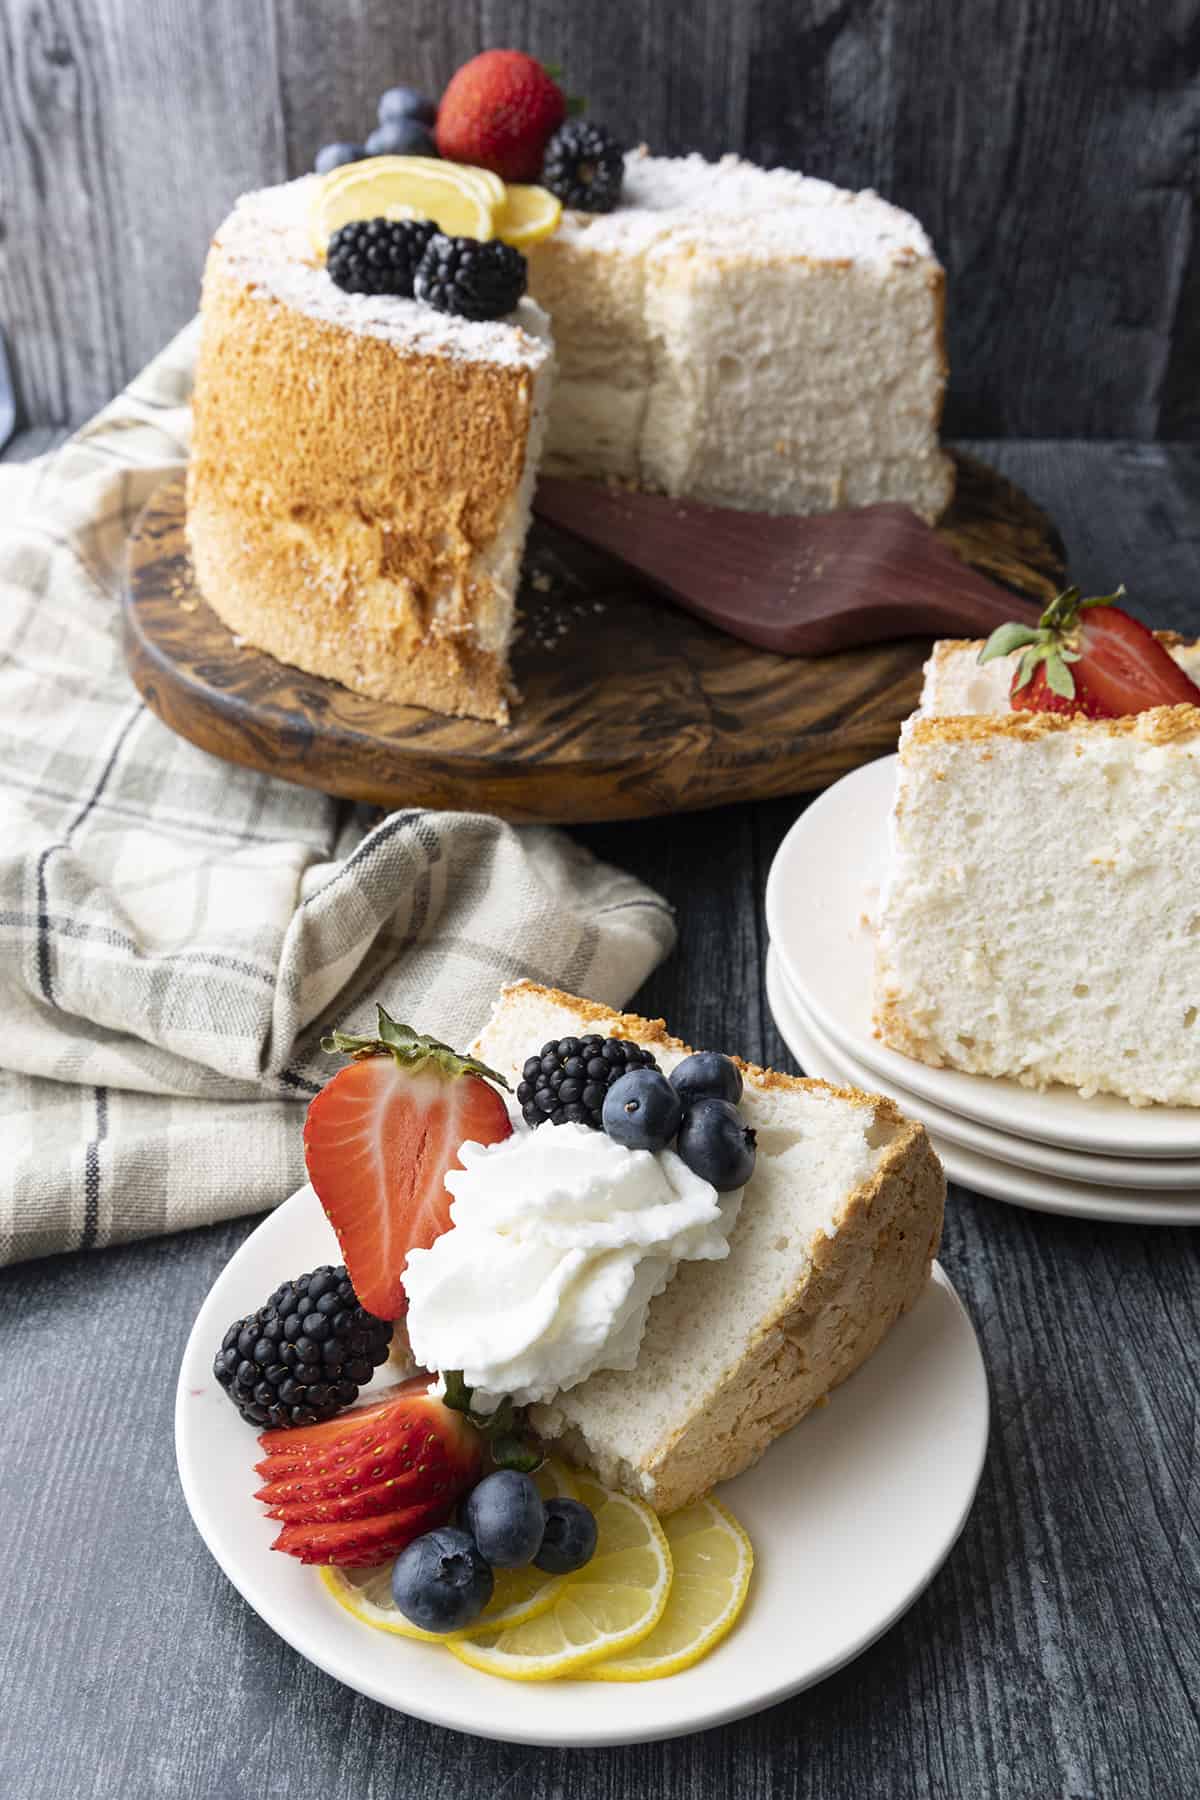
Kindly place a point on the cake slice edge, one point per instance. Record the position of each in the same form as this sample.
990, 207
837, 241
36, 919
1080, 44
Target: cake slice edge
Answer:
843, 1295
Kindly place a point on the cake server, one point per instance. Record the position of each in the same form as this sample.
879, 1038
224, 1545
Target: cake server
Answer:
798, 586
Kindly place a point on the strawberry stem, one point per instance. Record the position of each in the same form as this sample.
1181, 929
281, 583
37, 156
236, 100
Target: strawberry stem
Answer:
509, 1447
410, 1048
1053, 641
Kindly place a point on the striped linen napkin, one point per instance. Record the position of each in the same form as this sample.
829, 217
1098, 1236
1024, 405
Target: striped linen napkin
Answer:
178, 933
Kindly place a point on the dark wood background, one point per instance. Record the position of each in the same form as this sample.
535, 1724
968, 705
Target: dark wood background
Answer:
1051, 147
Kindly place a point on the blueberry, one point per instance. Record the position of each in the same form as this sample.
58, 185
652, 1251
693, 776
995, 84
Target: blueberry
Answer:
707, 1076
642, 1110
406, 103
332, 156
400, 137
570, 1539
441, 1582
505, 1516
716, 1144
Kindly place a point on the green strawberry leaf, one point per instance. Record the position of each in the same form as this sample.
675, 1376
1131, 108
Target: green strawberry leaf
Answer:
410, 1048
1007, 638
509, 1447
1059, 678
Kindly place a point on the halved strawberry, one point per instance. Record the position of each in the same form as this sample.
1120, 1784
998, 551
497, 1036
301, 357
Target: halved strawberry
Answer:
378, 1141
404, 1457
1089, 657
360, 1543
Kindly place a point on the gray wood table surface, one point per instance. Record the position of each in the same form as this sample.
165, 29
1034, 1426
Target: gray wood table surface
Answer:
1057, 1653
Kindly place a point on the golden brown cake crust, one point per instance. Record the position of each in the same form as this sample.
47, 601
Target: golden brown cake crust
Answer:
334, 519
860, 1282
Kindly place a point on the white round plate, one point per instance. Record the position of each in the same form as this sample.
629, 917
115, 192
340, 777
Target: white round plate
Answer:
824, 881
1153, 1174
851, 1515
986, 1175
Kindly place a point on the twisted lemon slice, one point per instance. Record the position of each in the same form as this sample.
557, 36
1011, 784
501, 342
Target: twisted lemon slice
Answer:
529, 215
462, 201
607, 1607
519, 1594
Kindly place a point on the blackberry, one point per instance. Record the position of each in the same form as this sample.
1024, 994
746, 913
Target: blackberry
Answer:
583, 165
565, 1083
378, 256
303, 1356
473, 280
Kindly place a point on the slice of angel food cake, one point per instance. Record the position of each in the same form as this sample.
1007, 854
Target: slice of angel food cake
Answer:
1039, 915
620, 1270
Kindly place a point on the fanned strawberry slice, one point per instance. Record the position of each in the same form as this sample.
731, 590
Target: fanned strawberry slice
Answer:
360, 1543
1090, 658
378, 1141
405, 1458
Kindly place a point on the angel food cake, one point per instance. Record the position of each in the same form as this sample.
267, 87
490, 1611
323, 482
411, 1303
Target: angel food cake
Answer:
1040, 917
362, 464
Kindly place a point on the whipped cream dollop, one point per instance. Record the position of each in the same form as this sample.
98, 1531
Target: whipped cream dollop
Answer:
560, 1239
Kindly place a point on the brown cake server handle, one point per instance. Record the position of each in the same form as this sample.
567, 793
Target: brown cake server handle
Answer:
798, 586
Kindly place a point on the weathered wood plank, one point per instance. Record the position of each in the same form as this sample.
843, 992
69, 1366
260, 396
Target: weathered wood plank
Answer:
1053, 152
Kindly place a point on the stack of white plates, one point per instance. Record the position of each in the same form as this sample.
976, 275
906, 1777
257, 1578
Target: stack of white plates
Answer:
1049, 1149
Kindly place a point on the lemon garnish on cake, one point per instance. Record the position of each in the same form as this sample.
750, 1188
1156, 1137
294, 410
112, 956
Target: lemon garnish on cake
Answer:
613, 1602
713, 1561
461, 201
529, 215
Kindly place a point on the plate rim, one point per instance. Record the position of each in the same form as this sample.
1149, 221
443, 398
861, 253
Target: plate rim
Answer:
919, 1078
275, 1617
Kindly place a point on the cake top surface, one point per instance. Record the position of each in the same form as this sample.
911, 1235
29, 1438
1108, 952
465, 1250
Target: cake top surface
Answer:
265, 244
965, 701
734, 207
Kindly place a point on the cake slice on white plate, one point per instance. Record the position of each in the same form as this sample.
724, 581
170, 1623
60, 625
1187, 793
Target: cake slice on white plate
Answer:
833, 1241
1040, 915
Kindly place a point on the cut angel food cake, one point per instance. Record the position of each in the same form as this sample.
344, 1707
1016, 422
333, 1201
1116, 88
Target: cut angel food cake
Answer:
832, 1241
1040, 916
363, 463
361, 468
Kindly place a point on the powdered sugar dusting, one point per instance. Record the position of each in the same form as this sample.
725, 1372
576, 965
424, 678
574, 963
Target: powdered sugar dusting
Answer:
735, 208
265, 244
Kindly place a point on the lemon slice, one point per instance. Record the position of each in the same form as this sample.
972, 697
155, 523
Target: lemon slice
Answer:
461, 201
530, 214
519, 1594
713, 1561
605, 1608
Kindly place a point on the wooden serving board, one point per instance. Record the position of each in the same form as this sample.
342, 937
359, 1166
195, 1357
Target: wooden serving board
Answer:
631, 707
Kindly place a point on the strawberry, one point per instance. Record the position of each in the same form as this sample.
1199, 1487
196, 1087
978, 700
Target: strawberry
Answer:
358, 1488
1089, 657
378, 1141
499, 112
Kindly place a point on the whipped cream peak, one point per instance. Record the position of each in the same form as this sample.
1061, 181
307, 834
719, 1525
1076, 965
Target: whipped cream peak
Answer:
560, 1238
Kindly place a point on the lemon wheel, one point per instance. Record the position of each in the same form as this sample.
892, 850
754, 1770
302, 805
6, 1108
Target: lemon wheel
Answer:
713, 1561
605, 1609
519, 1594
462, 201
529, 214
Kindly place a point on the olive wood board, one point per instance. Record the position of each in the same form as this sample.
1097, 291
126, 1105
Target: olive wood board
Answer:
631, 707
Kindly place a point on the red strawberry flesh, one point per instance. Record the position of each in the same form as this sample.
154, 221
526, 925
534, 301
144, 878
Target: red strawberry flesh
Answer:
378, 1141
361, 1543
1126, 668
1090, 658
498, 112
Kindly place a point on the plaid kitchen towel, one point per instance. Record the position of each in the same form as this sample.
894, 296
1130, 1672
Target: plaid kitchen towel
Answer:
177, 933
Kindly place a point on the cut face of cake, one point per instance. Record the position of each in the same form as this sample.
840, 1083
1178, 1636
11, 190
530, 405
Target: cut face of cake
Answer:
832, 1242
361, 469
362, 465
1040, 916
748, 337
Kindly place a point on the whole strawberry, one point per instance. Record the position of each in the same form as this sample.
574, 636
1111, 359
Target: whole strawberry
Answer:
499, 112
1090, 659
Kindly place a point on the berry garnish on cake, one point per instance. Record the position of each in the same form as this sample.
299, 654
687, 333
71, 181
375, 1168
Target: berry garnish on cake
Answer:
498, 112
1089, 658
469, 279
378, 256
379, 1139
584, 166
566, 1082
303, 1356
